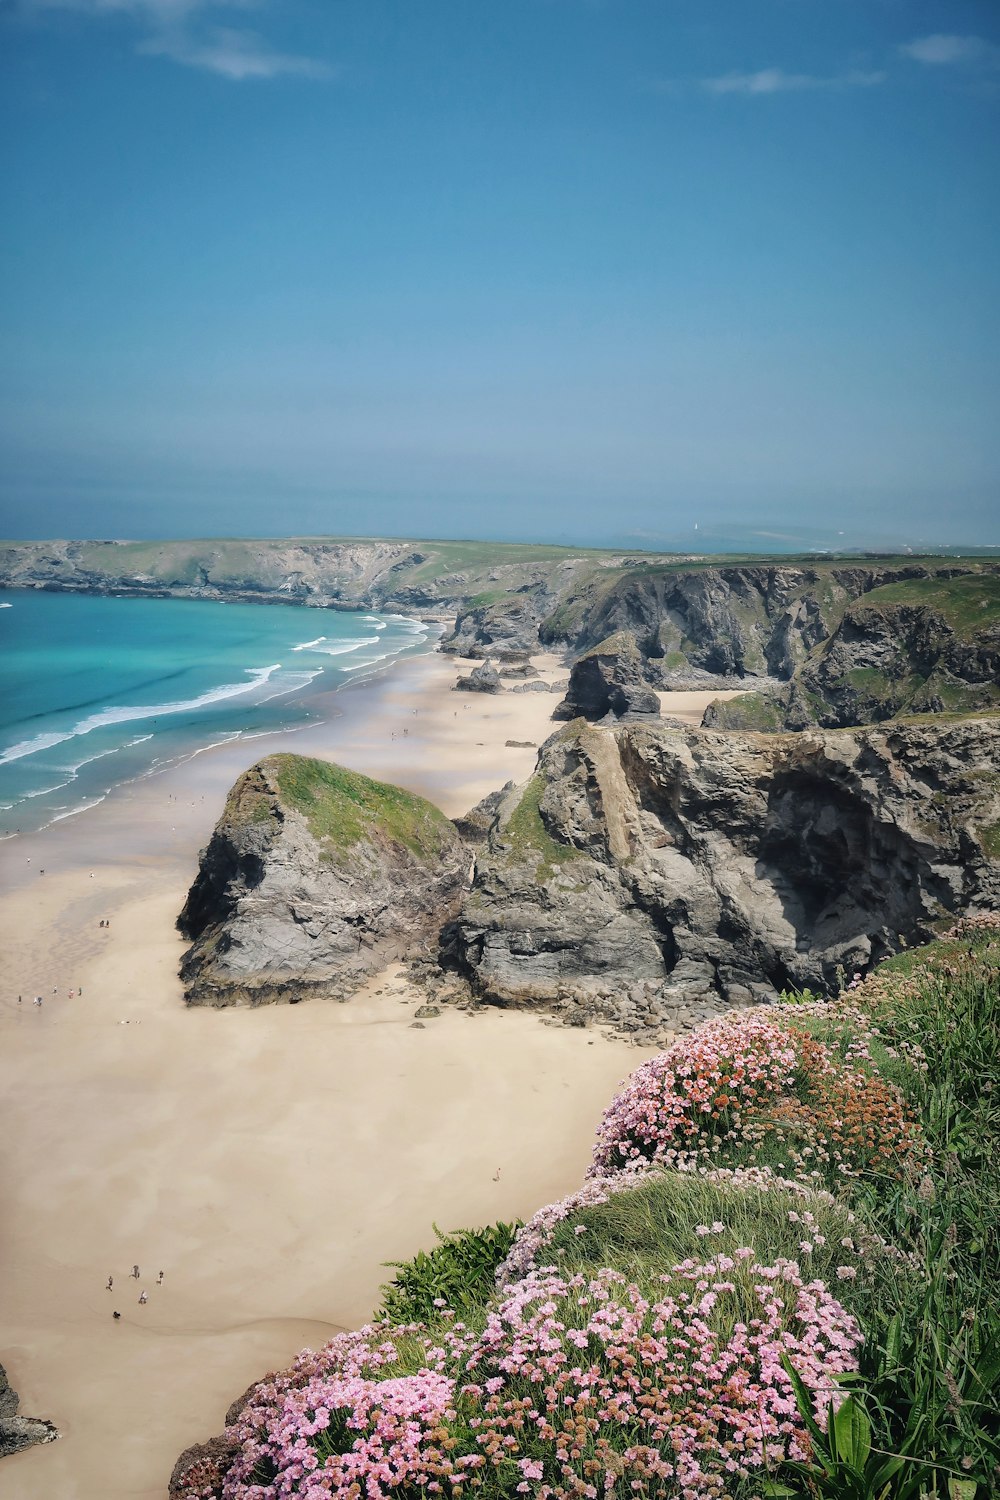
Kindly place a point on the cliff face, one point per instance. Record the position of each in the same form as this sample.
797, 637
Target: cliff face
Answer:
928, 646
608, 679
645, 870
439, 576
747, 621
314, 877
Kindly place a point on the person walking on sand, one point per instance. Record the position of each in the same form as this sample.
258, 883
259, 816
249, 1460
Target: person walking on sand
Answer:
111, 1282
117, 1316
135, 1272
143, 1299
159, 1279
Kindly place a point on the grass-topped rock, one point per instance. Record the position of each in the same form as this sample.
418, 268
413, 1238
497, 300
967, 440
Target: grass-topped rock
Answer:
314, 877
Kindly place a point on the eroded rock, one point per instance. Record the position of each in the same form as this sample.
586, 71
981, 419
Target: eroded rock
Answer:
314, 877
708, 869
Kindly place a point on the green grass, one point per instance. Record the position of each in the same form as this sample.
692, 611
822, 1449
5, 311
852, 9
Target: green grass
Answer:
968, 603
648, 1229
342, 807
755, 713
460, 1270
929, 1389
622, 643
527, 834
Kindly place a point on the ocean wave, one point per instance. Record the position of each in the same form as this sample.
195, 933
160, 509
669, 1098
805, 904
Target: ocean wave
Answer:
369, 661
126, 714
6, 606
72, 811
324, 646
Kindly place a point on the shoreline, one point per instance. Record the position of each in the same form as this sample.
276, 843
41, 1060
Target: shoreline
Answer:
268, 1161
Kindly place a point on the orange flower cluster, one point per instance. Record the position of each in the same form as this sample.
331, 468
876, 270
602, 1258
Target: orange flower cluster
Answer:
844, 1118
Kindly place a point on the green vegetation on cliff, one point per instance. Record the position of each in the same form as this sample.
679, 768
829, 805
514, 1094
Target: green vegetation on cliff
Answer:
342, 807
968, 603
526, 831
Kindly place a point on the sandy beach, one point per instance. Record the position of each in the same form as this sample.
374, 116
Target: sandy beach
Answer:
267, 1162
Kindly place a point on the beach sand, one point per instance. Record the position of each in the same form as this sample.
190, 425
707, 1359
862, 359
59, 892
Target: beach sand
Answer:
266, 1161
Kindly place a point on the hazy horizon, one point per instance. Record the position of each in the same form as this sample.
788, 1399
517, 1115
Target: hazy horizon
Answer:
593, 272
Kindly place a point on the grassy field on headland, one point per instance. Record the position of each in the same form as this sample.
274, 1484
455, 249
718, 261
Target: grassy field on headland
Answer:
778, 1280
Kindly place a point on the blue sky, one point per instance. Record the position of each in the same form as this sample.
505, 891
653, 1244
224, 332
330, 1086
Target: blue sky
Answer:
583, 270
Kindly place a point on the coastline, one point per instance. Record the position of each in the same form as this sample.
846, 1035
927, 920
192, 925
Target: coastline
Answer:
268, 1161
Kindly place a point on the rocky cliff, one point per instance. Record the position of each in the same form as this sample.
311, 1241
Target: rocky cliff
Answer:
504, 589
928, 645
644, 874
608, 679
19, 1432
753, 620
314, 877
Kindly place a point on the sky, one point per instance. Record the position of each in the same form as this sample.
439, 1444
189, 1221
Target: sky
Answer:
604, 272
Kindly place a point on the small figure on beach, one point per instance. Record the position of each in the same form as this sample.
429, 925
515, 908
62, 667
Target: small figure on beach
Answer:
159, 1279
116, 1316
111, 1282
496, 1175
143, 1298
38, 999
135, 1272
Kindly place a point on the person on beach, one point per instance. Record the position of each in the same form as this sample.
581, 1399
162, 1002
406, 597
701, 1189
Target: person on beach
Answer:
116, 1316
143, 1298
111, 1282
159, 1279
135, 1272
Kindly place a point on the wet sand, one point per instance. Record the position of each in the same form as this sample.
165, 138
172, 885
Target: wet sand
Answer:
267, 1161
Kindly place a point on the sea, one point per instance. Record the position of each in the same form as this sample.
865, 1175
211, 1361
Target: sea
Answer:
98, 691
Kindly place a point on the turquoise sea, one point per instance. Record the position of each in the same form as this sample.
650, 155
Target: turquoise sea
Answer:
98, 691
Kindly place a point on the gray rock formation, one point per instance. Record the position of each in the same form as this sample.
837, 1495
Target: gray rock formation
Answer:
506, 629
644, 871
484, 679
19, 1432
608, 679
314, 877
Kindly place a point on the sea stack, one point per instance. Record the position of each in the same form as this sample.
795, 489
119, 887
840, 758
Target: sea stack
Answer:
314, 877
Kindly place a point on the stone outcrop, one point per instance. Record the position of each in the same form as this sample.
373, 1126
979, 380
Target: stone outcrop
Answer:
484, 679
608, 679
645, 871
506, 629
19, 1432
721, 625
314, 877
886, 658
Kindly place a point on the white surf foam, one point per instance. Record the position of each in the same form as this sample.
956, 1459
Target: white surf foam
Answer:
324, 646
125, 714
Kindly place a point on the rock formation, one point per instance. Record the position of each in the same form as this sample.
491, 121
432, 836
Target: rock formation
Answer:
314, 877
484, 679
608, 680
18, 1432
643, 869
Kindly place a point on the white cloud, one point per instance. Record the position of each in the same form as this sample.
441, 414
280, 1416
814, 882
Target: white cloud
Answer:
233, 54
777, 81
941, 48
180, 30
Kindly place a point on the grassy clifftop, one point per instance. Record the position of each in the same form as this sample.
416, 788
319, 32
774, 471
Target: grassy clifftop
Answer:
341, 807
